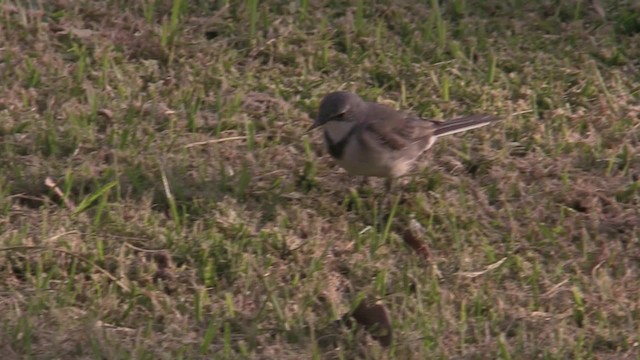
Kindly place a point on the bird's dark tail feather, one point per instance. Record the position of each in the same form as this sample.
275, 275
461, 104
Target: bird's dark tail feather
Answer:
462, 124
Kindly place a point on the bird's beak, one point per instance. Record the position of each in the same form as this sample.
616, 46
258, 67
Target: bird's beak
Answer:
315, 124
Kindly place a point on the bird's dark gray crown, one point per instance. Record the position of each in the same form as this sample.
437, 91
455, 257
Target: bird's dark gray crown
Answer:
338, 102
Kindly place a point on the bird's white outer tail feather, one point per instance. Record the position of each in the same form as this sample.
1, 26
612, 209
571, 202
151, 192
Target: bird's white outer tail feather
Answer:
462, 124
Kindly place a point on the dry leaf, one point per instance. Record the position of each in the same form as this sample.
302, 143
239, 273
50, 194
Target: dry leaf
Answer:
375, 318
108, 114
599, 10
411, 237
81, 33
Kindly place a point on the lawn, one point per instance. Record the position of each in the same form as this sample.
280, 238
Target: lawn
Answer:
160, 199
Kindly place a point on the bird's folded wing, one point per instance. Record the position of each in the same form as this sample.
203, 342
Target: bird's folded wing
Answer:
397, 133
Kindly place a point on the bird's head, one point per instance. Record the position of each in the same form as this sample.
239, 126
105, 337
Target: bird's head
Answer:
337, 106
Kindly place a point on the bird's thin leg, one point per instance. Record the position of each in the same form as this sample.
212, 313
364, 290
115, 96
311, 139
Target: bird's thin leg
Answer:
388, 185
387, 201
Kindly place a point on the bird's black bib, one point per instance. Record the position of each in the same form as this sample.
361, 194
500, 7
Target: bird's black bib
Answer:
336, 149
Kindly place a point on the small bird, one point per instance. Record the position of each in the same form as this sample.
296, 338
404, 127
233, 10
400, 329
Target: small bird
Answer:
371, 139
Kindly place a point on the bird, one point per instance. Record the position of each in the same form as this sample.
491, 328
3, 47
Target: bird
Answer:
374, 140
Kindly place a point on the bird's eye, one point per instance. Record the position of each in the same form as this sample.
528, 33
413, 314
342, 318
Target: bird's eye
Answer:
338, 116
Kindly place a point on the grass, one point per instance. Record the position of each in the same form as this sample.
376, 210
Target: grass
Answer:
186, 214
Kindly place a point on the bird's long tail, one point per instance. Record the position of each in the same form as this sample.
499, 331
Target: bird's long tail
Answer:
462, 124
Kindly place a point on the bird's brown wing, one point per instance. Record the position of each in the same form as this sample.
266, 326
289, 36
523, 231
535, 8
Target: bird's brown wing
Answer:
397, 130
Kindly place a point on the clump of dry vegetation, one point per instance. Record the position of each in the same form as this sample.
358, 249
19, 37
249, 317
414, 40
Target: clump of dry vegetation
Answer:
159, 199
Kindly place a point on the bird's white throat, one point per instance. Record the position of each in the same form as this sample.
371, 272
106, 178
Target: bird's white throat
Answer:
337, 130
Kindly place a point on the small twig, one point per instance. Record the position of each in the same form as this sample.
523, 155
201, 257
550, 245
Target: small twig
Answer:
76, 256
522, 112
215, 141
43, 199
165, 185
143, 250
555, 288
473, 274
114, 327
274, 172
444, 62
48, 181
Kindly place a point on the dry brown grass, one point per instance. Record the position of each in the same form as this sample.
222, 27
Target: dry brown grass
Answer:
191, 218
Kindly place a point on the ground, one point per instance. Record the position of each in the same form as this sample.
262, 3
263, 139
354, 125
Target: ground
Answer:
159, 198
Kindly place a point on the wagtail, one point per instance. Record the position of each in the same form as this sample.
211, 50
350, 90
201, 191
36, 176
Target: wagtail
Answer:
371, 139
